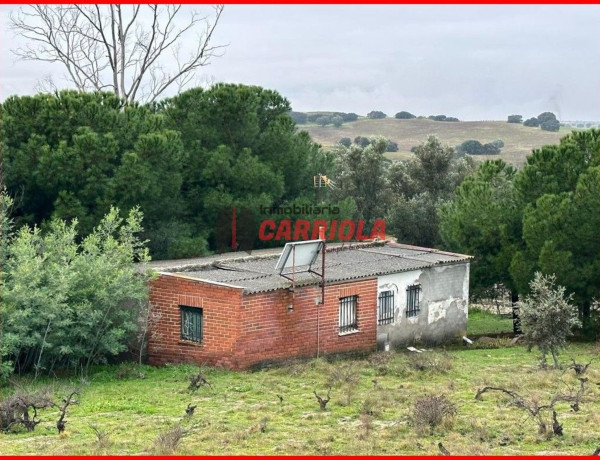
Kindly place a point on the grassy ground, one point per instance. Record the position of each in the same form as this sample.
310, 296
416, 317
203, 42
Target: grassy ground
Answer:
485, 322
518, 140
243, 414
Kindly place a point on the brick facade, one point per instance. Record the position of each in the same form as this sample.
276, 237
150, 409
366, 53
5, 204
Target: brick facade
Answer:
241, 330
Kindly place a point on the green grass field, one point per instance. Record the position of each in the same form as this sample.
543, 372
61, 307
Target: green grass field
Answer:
484, 322
519, 140
243, 414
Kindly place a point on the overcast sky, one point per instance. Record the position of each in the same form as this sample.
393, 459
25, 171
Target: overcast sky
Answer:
469, 61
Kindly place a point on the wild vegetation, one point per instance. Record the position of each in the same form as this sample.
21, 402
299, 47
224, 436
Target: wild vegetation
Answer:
410, 132
387, 403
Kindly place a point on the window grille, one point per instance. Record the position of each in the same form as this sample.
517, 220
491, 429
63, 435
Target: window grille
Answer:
191, 323
412, 300
347, 314
385, 313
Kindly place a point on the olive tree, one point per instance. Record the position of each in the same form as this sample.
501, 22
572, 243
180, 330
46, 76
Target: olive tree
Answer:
547, 317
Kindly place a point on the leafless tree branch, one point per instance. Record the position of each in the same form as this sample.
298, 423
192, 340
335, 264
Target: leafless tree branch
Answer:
113, 47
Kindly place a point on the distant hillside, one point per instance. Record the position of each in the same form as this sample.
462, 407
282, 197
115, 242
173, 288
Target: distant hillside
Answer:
518, 140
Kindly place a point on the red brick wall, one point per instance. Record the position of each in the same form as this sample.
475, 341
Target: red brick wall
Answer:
220, 314
272, 332
243, 330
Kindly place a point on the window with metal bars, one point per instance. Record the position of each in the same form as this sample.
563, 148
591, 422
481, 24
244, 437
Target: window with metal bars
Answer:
385, 312
412, 300
191, 323
347, 316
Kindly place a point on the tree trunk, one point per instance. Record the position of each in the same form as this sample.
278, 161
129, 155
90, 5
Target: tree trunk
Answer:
514, 298
555, 358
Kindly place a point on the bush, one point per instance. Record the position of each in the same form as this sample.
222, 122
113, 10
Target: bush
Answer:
547, 317
490, 149
345, 141
323, 120
336, 121
498, 143
391, 146
515, 119
166, 442
349, 116
430, 361
362, 141
550, 125
376, 114
404, 115
472, 147
546, 116
442, 118
533, 122
431, 411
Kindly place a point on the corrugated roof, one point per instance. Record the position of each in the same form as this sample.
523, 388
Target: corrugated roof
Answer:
256, 272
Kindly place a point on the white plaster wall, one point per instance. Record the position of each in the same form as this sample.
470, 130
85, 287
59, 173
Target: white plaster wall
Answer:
443, 311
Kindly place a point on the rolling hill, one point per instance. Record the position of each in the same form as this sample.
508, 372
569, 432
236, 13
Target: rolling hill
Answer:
518, 140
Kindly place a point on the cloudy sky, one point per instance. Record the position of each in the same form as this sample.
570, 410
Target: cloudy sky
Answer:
469, 61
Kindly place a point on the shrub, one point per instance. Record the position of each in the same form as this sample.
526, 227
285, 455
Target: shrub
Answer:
515, 119
391, 146
345, 141
546, 116
376, 114
490, 149
166, 442
547, 317
471, 146
550, 125
534, 122
442, 118
430, 361
362, 141
323, 120
336, 121
349, 116
404, 115
344, 376
430, 411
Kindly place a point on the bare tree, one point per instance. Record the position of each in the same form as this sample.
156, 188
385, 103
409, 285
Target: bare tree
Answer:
119, 48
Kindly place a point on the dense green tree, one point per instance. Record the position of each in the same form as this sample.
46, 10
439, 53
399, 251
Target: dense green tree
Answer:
345, 141
323, 120
471, 146
550, 125
420, 186
376, 114
242, 150
362, 141
543, 218
546, 116
361, 174
484, 220
349, 116
534, 122
391, 146
515, 119
403, 115
337, 121
490, 149
73, 155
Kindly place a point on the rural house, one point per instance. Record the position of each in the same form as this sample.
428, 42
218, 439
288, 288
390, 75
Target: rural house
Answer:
236, 310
